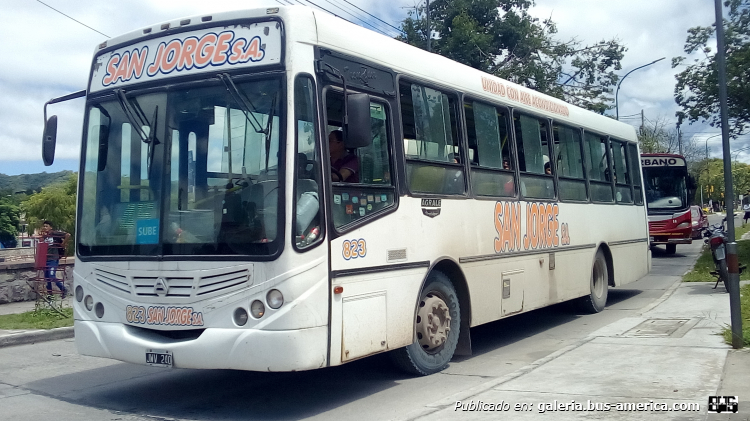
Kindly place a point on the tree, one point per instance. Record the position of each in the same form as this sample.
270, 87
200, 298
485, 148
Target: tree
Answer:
697, 92
709, 174
56, 203
9, 219
660, 136
501, 38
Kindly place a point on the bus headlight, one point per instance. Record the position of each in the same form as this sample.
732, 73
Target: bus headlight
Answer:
240, 316
683, 225
99, 310
275, 298
257, 309
88, 302
79, 293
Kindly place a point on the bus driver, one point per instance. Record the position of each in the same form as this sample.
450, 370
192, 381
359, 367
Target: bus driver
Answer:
344, 164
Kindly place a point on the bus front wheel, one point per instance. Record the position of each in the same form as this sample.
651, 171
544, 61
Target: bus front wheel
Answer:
599, 284
436, 329
671, 248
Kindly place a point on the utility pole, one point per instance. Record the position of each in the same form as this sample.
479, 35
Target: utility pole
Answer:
429, 32
679, 138
732, 261
643, 125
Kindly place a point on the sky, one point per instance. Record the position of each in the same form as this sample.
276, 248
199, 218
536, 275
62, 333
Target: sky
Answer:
46, 55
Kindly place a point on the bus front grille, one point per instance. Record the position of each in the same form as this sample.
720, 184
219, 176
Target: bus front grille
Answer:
147, 285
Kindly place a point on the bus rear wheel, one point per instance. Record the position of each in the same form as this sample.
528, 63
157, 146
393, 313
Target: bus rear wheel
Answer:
436, 326
599, 284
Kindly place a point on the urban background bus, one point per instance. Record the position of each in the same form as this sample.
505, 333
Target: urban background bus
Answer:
667, 185
214, 230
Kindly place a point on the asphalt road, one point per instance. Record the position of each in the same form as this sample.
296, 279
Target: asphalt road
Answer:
51, 381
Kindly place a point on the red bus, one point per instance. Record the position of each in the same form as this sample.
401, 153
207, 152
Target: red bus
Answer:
666, 181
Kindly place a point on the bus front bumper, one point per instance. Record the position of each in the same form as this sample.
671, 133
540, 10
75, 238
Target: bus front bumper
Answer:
657, 239
237, 349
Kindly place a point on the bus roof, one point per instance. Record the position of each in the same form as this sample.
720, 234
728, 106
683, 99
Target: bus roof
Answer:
306, 25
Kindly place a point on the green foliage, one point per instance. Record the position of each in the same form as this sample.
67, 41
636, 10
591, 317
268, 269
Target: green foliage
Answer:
501, 38
42, 318
9, 219
709, 175
697, 90
56, 203
28, 184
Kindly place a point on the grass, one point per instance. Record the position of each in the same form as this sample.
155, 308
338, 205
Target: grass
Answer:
705, 263
745, 311
41, 318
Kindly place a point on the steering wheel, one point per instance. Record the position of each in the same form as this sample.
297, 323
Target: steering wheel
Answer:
336, 172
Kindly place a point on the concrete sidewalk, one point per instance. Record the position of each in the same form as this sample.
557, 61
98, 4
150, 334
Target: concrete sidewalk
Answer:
671, 354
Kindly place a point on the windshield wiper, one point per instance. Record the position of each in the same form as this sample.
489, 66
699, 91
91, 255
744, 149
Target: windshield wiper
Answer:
138, 121
269, 127
245, 104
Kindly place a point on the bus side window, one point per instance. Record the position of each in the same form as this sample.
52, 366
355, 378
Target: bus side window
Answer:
532, 144
374, 191
597, 167
307, 226
623, 193
489, 150
433, 157
569, 163
635, 170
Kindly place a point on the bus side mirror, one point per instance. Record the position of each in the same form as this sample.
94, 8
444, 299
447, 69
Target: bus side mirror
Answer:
691, 183
49, 140
358, 131
103, 147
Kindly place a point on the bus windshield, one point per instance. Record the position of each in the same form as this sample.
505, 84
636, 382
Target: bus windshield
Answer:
666, 189
184, 171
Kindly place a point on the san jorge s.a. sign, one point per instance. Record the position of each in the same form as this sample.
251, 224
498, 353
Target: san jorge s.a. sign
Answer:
201, 51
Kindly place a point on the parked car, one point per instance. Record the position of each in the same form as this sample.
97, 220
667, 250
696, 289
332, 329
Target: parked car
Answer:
700, 221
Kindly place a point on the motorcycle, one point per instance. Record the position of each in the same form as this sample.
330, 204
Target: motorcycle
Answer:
715, 236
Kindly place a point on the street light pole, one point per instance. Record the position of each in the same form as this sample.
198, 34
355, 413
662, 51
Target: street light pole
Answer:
617, 92
732, 263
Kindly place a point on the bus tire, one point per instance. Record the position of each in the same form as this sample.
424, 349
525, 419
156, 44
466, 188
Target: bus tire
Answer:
437, 326
671, 248
598, 286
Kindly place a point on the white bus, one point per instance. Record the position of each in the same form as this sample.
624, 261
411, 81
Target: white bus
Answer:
210, 233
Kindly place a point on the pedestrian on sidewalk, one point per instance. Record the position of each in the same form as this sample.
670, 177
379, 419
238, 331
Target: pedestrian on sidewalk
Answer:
746, 207
57, 242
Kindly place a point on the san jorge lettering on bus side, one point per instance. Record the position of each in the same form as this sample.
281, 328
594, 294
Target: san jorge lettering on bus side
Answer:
542, 229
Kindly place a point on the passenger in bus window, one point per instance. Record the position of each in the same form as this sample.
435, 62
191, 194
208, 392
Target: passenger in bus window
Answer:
344, 164
509, 187
548, 169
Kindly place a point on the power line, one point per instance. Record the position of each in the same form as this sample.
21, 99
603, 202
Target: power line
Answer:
326, 10
399, 30
338, 5
40, 1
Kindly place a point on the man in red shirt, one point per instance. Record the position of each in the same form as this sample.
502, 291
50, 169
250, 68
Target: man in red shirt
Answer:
56, 241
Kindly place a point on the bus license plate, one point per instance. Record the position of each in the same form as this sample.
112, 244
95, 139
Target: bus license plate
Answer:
159, 358
720, 253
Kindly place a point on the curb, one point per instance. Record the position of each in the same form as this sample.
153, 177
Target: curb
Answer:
30, 337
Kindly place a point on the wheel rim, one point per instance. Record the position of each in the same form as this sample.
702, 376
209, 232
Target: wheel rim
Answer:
433, 323
598, 279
